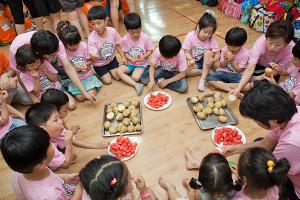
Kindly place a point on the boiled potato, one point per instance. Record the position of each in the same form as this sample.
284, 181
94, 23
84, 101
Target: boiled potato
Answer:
223, 119
196, 109
126, 104
113, 105
210, 99
119, 117
194, 100
124, 129
107, 124
135, 103
138, 127
207, 110
221, 111
109, 109
201, 115
112, 130
131, 107
134, 113
110, 116
217, 95
216, 111
199, 105
231, 97
119, 126
224, 103
136, 120
126, 112
121, 108
211, 104
201, 97
126, 121
130, 128
218, 104
115, 109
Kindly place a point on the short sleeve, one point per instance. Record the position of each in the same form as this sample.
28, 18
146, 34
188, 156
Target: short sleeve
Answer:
61, 52
187, 43
50, 67
256, 51
182, 64
149, 44
118, 38
92, 48
28, 81
16, 187
214, 45
58, 158
243, 59
155, 57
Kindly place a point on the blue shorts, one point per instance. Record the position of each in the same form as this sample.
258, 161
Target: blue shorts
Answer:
226, 77
199, 64
102, 70
132, 68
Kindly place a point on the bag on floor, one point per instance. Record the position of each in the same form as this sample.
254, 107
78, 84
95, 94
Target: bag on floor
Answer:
261, 19
232, 9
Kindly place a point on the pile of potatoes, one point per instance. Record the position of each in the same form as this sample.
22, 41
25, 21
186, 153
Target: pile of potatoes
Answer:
214, 105
123, 118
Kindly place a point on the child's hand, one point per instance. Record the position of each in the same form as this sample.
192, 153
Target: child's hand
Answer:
229, 56
139, 182
4, 95
271, 79
69, 137
163, 84
140, 58
43, 69
151, 85
229, 150
70, 178
274, 66
191, 62
84, 67
34, 73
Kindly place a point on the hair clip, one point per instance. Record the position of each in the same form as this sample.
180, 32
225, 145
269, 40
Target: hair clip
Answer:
211, 12
66, 24
270, 165
113, 182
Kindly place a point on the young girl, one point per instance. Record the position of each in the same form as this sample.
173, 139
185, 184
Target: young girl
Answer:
201, 49
168, 66
214, 181
234, 60
77, 54
108, 178
262, 174
37, 74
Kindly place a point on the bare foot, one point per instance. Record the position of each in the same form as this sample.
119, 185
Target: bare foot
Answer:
160, 196
75, 129
165, 184
191, 162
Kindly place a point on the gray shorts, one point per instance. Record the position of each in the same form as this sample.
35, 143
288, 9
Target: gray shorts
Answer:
71, 5
18, 95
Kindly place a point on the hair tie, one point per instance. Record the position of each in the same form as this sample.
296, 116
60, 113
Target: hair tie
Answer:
270, 165
66, 24
210, 12
113, 182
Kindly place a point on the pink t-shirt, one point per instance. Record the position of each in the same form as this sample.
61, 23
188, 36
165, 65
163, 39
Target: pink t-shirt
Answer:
197, 47
177, 63
292, 83
241, 58
135, 48
4, 129
28, 80
260, 55
288, 146
24, 38
104, 47
60, 141
51, 187
80, 57
58, 160
272, 194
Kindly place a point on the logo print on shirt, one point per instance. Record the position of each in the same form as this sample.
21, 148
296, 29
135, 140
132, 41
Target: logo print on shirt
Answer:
45, 83
289, 84
167, 66
78, 61
198, 52
69, 188
135, 51
106, 51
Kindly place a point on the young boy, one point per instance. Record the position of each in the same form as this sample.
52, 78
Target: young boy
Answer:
102, 44
137, 48
234, 59
168, 66
28, 151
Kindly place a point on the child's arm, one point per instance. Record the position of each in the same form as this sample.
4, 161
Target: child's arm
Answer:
15, 112
277, 70
151, 77
4, 111
85, 145
69, 149
216, 57
119, 49
147, 54
37, 84
223, 64
33, 97
50, 76
190, 60
177, 77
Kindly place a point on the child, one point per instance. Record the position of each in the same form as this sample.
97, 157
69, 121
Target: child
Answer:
214, 181
61, 101
274, 49
102, 44
262, 174
234, 59
292, 84
7, 122
46, 116
27, 151
201, 48
168, 66
37, 74
108, 178
137, 48
77, 54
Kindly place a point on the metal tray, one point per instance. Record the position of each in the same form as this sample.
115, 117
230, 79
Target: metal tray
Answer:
212, 121
106, 133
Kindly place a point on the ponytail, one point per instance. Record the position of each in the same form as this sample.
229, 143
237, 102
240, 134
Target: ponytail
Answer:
68, 33
207, 20
279, 171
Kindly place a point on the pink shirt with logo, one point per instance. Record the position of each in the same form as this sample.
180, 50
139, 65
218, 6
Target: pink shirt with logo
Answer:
25, 38
4, 128
197, 47
177, 63
104, 47
51, 187
58, 160
136, 48
241, 58
272, 194
288, 146
292, 83
80, 57
29, 81
260, 55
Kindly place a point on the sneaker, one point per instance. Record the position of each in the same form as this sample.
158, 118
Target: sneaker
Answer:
139, 89
201, 85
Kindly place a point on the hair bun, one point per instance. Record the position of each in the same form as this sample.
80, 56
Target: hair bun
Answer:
210, 12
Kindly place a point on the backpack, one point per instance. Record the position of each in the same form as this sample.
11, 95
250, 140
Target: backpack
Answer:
260, 18
232, 9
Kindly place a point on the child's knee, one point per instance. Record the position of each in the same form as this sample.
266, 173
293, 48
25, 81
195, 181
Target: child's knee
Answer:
183, 88
136, 78
80, 98
72, 105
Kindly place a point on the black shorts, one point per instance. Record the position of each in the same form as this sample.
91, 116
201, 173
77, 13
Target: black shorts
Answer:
46, 7
102, 70
71, 5
259, 70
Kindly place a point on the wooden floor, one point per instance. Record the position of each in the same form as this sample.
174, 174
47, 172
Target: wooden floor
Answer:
167, 133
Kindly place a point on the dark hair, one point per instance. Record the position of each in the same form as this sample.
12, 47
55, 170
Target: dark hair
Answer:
236, 37
215, 176
253, 166
169, 46
132, 21
67, 33
207, 20
97, 176
97, 12
44, 42
25, 56
296, 50
55, 97
25, 147
282, 29
39, 113
266, 102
